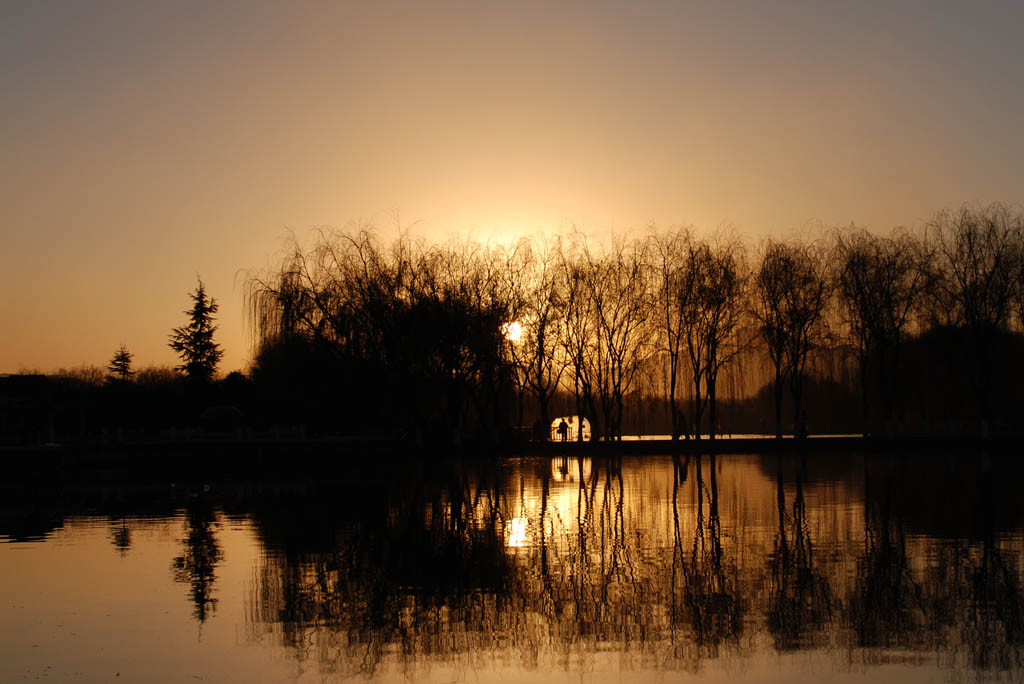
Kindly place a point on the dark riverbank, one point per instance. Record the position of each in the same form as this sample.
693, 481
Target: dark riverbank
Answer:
229, 457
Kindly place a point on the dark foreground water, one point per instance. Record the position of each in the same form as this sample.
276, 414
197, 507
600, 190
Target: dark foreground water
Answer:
837, 568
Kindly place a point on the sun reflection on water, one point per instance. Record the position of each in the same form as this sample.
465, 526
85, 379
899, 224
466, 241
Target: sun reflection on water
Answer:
516, 532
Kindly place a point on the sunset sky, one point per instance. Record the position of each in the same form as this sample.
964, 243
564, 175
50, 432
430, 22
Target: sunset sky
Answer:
144, 143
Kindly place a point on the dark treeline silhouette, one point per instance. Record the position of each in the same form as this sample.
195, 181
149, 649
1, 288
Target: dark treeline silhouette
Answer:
88, 404
406, 338
670, 332
418, 338
79, 406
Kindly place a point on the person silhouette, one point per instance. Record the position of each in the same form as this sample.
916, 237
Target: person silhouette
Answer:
563, 430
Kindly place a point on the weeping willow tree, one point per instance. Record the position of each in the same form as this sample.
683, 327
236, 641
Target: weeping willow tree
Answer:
406, 335
881, 282
709, 294
791, 292
605, 295
977, 258
539, 319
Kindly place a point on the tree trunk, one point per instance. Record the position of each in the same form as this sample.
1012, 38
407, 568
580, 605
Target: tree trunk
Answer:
798, 418
884, 389
696, 409
779, 382
712, 407
579, 406
672, 405
864, 374
545, 412
522, 393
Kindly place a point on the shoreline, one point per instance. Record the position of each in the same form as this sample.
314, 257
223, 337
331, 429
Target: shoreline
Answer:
348, 447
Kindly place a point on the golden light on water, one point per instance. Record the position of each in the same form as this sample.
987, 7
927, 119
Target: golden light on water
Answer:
516, 531
570, 469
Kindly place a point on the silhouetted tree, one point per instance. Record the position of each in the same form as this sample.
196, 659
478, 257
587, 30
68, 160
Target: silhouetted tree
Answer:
880, 282
156, 375
513, 277
711, 298
769, 303
977, 259
978, 256
807, 299
422, 324
579, 329
194, 342
668, 258
120, 367
420, 327
622, 309
790, 294
605, 333
541, 322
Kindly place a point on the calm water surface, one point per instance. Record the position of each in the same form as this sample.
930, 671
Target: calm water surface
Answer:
837, 568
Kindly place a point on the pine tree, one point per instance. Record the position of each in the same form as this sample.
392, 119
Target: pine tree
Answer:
194, 342
120, 367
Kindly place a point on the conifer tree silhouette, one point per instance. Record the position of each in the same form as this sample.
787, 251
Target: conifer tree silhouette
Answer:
120, 367
194, 342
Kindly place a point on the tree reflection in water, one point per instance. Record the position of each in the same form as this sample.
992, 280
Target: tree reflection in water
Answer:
198, 563
121, 535
709, 596
800, 605
886, 608
977, 602
546, 565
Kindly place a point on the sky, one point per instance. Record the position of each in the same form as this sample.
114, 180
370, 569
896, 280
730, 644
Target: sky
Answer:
145, 144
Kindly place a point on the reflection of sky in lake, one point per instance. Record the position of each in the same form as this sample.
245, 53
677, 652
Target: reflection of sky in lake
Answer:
875, 569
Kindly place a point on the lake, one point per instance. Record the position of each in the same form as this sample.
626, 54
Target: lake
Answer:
708, 569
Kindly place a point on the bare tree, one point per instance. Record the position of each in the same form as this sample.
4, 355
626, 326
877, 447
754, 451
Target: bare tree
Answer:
605, 295
622, 310
791, 291
516, 278
711, 294
880, 282
668, 254
806, 301
978, 254
977, 257
423, 323
579, 328
769, 305
539, 348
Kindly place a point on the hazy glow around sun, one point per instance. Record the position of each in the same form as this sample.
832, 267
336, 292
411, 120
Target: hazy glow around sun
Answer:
490, 120
513, 331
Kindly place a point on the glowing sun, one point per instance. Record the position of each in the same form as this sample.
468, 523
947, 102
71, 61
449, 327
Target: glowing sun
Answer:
513, 331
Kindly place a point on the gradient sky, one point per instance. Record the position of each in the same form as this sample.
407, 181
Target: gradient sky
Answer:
145, 143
